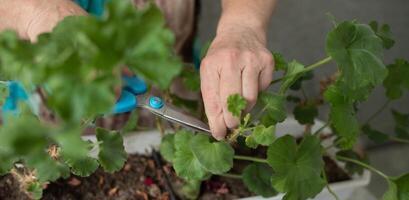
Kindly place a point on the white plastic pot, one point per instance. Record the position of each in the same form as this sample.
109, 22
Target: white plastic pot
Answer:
142, 143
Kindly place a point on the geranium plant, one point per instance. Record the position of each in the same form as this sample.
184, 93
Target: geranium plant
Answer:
74, 69
295, 166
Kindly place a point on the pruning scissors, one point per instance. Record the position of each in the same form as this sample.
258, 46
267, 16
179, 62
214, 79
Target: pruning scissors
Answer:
134, 95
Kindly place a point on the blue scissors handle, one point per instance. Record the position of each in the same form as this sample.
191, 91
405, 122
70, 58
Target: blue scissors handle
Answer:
132, 86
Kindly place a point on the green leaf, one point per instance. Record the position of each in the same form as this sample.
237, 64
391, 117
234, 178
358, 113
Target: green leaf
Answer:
81, 59
297, 167
342, 117
401, 124
71, 144
185, 162
292, 74
131, 123
82, 167
304, 77
152, 57
236, 104
112, 155
383, 32
398, 188
274, 108
279, 62
353, 168
22, 136
305, 113
264, 135
403, 186
397, 80
167, 147
374, 135
191, 189
35, 190
45, 167
7, 163
357, 50
215, 157
191, 79
257, 178
250, 142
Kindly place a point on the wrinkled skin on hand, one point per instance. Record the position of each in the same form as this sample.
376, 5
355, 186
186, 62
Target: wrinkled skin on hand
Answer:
237, 62
31, 18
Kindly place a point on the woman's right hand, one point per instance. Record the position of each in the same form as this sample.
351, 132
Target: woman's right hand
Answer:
31, 18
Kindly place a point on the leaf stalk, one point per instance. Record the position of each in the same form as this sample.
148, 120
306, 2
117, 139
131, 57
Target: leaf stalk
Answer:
248, 158
342, 158
306, 69
228, 175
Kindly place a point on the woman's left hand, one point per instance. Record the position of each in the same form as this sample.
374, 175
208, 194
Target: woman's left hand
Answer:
237, 62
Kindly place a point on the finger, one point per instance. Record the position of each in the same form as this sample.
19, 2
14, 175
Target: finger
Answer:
250, 85
209, 78
230, 78
266, 74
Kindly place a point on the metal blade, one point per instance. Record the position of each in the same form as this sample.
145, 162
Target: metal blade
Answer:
174, 114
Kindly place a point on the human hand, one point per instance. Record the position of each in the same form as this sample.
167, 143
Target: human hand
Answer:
31, 18
237, 62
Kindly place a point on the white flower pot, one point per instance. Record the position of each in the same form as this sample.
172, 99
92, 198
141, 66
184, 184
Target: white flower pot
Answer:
142, 143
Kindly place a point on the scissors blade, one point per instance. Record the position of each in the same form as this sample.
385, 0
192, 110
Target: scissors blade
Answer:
174, 114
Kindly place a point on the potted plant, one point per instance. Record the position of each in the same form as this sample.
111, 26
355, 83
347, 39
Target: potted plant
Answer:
74, 69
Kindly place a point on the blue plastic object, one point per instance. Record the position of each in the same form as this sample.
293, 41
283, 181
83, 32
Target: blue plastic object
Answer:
155, 102
134, 84
95, 7
127, 101
16, 94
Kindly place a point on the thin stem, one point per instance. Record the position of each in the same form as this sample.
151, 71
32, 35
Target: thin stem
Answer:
321, 128
306, 69
304, 94
4, 83
248, 158
363, 165
248, 129
396, 139
159, 126
234, 135
228, 175
259, 114
328, 187
378, 111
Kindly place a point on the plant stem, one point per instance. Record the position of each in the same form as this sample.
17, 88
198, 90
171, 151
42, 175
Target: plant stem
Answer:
304, 94
321, 128
160, 127
306, 69
328, 187
363, 165
234, 135
248, 158
378, 112
396, 139
228, 175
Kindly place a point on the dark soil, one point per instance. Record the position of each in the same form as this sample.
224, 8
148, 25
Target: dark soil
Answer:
140, 178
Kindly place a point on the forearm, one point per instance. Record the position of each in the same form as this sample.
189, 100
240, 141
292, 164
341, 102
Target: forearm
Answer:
253, 14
